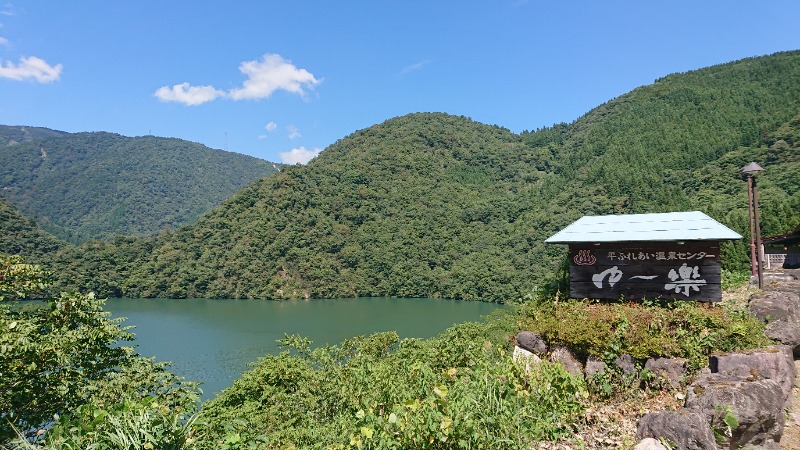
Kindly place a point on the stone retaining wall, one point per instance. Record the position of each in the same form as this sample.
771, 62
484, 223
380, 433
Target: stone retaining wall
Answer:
736, 402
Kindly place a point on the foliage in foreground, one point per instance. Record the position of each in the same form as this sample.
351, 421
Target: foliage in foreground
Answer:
67, 384
65, 378
458, 390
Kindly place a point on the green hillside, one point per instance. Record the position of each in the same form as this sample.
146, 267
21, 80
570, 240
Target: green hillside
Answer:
85, 186
12, 135
437, 205
21, 235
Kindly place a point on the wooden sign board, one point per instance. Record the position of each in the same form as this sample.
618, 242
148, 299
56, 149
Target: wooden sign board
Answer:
652, 270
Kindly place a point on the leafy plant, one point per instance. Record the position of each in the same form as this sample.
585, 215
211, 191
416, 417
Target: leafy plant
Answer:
458, 390
724, 423
63, 372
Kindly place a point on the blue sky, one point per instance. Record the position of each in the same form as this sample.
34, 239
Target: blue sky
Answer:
282, 80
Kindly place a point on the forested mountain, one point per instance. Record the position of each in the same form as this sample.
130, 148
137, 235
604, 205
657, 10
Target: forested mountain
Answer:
12, 135
21, 235
437, 205
82, 186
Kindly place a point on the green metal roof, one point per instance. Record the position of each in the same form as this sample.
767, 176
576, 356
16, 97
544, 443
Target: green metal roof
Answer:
675, 226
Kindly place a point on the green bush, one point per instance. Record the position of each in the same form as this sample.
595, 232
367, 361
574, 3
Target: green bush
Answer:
65, 380
643, 330
458, 390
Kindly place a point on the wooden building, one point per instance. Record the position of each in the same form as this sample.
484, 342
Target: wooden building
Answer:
782, 251
636, 256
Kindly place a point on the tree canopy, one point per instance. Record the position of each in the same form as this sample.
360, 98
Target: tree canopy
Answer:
434, 205
82, 186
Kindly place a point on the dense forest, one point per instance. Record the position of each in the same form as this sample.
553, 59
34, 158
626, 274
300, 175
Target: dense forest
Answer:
19, 235
12, 135
436, 205
82, 186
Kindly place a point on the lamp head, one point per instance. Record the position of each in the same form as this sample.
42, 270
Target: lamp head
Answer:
751, 169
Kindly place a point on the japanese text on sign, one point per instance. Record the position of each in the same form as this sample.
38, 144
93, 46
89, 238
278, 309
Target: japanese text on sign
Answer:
657, 256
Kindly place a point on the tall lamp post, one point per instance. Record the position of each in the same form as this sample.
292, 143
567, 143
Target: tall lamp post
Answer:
749, 172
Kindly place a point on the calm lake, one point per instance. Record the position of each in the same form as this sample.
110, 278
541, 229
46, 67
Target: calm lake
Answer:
213, 340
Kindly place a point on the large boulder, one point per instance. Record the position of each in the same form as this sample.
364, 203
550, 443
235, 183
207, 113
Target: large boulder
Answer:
526, 358
685, 429
774, 363
649, 444
780, 310
774, 305
532, 342
667, 371
756, 404
626, 365
594, 366
564, 356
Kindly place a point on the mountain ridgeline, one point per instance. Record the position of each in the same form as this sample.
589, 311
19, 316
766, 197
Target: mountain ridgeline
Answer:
12, 135
84, 186
436, 205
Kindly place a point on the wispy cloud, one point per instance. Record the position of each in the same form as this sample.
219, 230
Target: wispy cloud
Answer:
265, 76
293, 132
270, 126
299, 155
415, 67
30, 68
4, 42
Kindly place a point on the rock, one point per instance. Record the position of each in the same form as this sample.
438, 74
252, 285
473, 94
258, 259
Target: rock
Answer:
522, 356
780, 309
532, 342
787, 333
594, 366
563, 356
756, 404
625, 364
774, 363
668, 371
778, 277
649, 444
774, 305
684, 429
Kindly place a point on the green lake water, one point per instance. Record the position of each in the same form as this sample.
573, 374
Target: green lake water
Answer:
212, 341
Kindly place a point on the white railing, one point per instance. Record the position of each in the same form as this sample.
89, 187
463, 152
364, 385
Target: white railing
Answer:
777, 260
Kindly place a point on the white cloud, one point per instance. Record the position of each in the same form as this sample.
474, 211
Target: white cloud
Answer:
30, 67
294, 132
299, 155
262, 136
187, 94
4, 42
271, 126
414, 67
270, 74
264, 77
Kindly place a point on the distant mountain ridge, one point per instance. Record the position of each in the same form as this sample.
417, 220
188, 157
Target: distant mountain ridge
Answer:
86, 186
12, 135
435, 205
